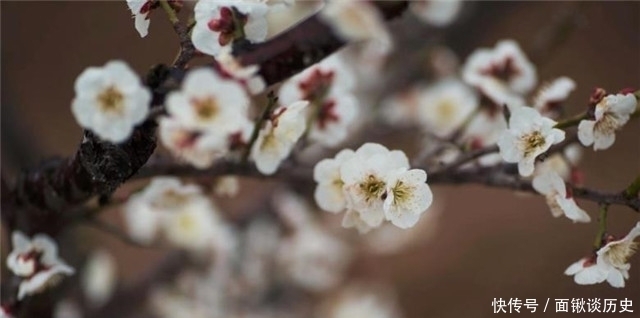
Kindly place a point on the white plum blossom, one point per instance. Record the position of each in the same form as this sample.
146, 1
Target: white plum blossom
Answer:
110, 101
246, 75
365, 177
329, 193
356, 21
528, 136
408, 196
611, 113
559, 198
278, 137
36, 262
438, 13
373, 184
550, 95
610, 263
503, 73
332, 107
221, 22
198, 148
99, 277
205, 118
445, 106
141, 10
209, 102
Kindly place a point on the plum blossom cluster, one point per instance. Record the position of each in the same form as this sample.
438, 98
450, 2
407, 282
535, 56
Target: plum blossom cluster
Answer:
36, 262
110, 101
609, 263
372, 184
182, 213
328, 87
207, 118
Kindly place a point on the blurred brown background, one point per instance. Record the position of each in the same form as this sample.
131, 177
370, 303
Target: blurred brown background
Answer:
489, 244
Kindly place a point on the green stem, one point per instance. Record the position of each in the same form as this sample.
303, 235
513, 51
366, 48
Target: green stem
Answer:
571, 121
171, 14
602, 229
633, 189
266, 113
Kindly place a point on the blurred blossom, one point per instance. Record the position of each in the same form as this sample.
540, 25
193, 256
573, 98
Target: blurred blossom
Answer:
400, 109
610, 263
529, 135
181, 212
328, 87
559, 198
503, 73
439, 13
110, 101
99, 277
313, 259
445, 106
163, 195
549, 97
611, 113
227, 186
66, 309
482, 131
278, 137
36, 262
356, 20
246, 75
221, 22
361, 301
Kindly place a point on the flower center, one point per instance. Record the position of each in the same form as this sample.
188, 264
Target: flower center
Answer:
327, 114
170, 200
32, 262
446, 109
532, 142
111, 100
400, 192
186, 222
503, 71
206, 108
372, 188
316, 86
607, 124
619, 254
